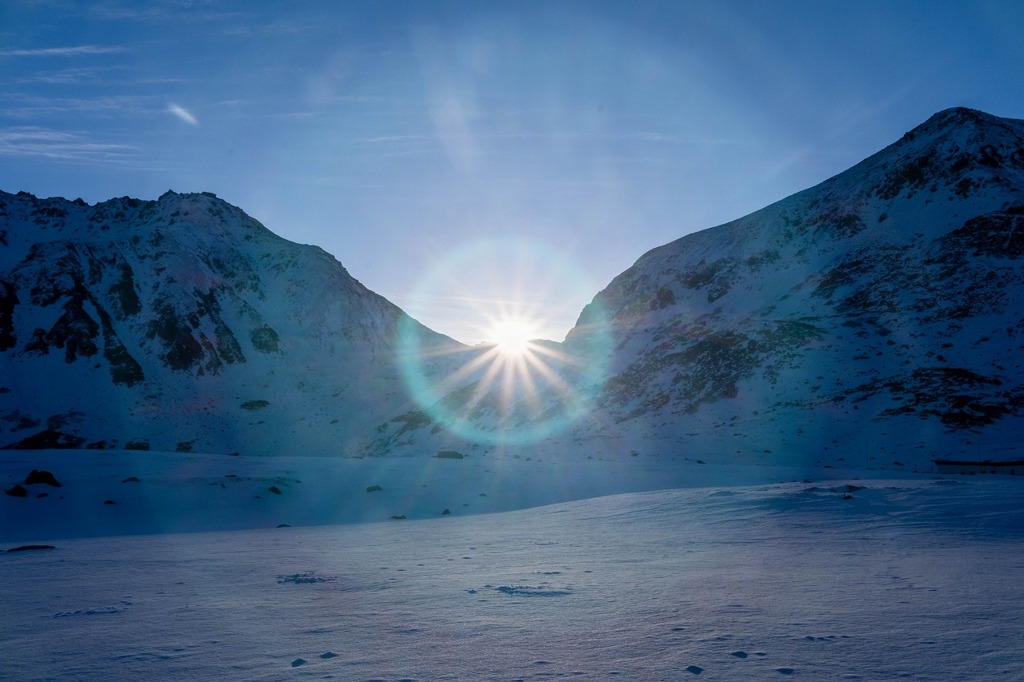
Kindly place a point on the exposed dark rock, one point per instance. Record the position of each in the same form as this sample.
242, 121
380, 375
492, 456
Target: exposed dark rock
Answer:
30, 548
16, 491
374, 489
42, 477
8, 300
274, 489
265, 339
449, 454
47, 440
123, 293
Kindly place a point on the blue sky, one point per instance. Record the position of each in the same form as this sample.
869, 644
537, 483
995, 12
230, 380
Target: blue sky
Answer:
474, 159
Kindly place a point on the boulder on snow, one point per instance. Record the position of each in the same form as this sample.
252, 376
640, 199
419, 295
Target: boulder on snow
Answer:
374, 489
45, 477
449, 454
16, 491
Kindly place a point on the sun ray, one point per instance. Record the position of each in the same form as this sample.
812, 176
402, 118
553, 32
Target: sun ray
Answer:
514, 387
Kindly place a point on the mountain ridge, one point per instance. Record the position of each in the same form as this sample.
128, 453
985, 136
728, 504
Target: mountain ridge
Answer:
875, 315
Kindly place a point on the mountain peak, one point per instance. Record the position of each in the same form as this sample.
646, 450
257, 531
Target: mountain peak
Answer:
961, 121
956, 117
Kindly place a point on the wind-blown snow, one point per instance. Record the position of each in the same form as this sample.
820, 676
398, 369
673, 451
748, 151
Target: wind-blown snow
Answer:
881, 579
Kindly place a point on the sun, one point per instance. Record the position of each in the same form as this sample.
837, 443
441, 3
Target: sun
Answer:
512, 336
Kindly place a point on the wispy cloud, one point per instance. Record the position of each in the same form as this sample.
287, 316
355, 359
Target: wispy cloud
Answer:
33, 107
62, 145
69, 51
184, 114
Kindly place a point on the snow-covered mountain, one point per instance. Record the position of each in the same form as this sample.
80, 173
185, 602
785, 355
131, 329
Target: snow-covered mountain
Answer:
872, 319
184, 324
880, 311
875, 318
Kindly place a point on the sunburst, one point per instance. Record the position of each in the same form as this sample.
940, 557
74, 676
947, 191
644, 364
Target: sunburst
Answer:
515, 387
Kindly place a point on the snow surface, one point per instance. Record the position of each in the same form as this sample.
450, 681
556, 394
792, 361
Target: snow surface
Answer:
740, 576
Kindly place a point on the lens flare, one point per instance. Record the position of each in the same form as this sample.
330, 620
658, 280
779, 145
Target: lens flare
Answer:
513, 389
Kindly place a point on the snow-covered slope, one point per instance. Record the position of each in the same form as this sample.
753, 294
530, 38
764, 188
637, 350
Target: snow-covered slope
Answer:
879, 312
872, 319
184, 324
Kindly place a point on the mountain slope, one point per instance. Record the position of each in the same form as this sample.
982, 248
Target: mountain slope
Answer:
878, 312
182, 323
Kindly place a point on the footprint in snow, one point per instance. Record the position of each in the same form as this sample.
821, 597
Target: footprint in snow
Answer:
530, 591
307, 578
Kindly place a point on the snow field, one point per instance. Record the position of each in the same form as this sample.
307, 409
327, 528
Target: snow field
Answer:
911, 579
107, 493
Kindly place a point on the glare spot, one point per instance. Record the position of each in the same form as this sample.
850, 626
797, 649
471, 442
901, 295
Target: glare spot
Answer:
512, 336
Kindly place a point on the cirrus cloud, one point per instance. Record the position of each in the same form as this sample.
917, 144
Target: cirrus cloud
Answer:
68, 51
184, 114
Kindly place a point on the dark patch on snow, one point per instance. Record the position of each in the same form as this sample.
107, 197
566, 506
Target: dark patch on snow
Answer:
41, 477
16, 491
48, 439
305, 578
532, 591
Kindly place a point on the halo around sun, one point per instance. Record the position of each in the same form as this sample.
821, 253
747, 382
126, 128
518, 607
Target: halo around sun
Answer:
513, 388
